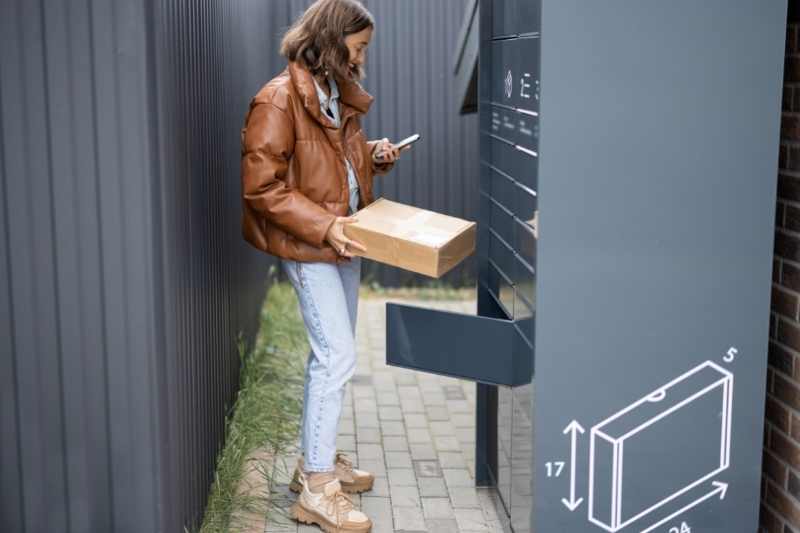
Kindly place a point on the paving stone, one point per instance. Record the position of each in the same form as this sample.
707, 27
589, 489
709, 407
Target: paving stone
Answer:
392, 428
383, 376
458, 477
416, 420
434, 400
390, 412
412, 406
379, 510
405, 496
401, 477
464, 497
408, 518
380, 487
346, 427
442, 428
470, 520
279, 521
346, 443
423, 451
460, 406
368, 436
432, 487
442, 525
397, 443
454, 392
427, 469
366, 405
363, 391
370, 451
405, 377
447, 444
409, 391
452, 460
387, 399
463, 420
467, 436
367, 420
418, 436
437, 508
436, 413
361, 378
398, 459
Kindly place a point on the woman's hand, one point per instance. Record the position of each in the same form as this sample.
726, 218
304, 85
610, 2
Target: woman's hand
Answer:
339, 240
385, 152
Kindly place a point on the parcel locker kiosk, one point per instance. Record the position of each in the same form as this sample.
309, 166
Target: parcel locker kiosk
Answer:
621, 352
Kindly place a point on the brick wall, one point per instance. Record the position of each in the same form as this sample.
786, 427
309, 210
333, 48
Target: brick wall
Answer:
780, 509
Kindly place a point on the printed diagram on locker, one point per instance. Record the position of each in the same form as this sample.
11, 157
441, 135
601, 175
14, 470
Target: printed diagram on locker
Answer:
655, 459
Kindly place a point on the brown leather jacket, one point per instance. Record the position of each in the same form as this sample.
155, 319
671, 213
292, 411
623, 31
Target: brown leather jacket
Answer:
294, 179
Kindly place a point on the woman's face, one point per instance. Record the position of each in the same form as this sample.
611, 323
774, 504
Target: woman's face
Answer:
357, 44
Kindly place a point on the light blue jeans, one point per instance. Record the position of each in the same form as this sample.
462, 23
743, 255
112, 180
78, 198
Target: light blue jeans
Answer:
328, 297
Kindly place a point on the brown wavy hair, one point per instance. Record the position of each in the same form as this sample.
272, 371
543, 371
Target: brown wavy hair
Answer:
317, 37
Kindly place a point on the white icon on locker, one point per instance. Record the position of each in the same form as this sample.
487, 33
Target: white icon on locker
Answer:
509, 84
693, 412
524, 86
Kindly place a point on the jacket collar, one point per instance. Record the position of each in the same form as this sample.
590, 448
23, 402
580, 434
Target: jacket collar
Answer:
354, 99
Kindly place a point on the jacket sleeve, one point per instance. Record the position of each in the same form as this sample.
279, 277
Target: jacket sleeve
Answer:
378, 168
267, 146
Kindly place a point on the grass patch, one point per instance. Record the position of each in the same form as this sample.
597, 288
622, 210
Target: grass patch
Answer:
266, 414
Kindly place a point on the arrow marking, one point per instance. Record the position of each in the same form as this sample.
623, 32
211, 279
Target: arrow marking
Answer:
574, 428
721, 489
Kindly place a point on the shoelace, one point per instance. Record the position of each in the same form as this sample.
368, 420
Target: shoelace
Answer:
339, 505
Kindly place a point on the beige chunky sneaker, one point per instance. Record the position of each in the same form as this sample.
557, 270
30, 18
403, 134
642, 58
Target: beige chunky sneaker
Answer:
353, 480
332, 510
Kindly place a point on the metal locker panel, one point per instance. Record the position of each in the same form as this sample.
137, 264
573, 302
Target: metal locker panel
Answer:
483, 349
654, 257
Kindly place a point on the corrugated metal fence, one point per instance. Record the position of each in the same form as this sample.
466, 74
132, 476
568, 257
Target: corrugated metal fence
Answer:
124, 280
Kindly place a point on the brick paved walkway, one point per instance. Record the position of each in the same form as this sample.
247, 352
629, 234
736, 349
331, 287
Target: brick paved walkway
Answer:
416, 433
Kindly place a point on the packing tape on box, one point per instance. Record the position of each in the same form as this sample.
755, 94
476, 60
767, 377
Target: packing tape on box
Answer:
420, 218
429, 239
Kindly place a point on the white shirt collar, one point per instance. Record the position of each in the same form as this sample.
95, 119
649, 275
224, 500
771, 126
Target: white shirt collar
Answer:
324, 100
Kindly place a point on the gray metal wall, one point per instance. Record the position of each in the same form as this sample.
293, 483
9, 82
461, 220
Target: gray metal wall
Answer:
124, 280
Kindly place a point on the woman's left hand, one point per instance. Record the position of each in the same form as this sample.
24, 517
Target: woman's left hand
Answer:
385, 152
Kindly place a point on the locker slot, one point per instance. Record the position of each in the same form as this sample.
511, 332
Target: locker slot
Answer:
525, 242
520, 166
502, 221
502, 255
484, 349
501, 288
519, 129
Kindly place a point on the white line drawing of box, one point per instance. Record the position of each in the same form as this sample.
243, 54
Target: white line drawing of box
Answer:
685, 424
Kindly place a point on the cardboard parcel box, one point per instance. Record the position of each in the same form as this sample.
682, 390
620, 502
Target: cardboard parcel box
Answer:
411, 238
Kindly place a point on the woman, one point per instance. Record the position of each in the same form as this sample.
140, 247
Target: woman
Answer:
306, 168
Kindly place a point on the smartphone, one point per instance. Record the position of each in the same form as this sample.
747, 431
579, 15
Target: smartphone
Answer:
408, 141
